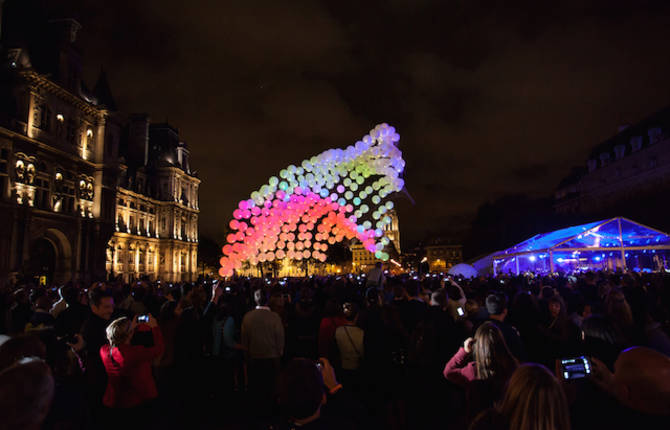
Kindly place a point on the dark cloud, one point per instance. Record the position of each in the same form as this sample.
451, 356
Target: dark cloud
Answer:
490, 98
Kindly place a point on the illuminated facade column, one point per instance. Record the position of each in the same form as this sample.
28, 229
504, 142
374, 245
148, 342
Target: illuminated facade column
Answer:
31, 112
98, 157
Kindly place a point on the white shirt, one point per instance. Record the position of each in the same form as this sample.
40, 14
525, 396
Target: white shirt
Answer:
349, 340
376, 276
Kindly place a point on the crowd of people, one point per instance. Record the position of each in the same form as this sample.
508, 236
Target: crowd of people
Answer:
351, 351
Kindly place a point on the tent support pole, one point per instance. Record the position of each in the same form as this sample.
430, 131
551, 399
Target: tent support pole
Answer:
516, 260
623, 252
551, 262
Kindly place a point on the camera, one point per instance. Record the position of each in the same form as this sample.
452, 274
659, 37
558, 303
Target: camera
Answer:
575, 368
143, 319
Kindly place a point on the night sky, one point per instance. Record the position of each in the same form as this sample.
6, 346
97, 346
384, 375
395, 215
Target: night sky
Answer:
489, 97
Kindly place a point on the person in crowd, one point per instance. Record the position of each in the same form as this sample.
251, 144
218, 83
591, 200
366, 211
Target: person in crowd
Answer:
69, 409
225, 348
133, 299
70, 320
303, 326
496, 305
533, 400
349, 338
263, 342
639, 387
558, 331
332, 319
491, 366
447, 334
20, 311
26, 393
41, 318
599, 340
17, 347
375, 277
578, 310
412, 310
61, 304
131, 386
310, 397
457, 300
94, 334
620, 315
525, 315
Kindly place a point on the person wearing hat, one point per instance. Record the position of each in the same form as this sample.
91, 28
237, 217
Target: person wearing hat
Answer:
496, 305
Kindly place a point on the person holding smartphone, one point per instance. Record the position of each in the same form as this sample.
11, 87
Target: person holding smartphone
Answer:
482, 366
130, 386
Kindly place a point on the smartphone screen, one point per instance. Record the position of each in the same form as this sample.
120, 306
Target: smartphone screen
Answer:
575, 368
143, 318
460, 311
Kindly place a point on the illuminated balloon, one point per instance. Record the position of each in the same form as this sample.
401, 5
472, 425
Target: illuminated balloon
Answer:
316, 200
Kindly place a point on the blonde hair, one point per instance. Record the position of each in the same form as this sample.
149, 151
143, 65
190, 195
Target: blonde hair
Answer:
117, 332
535, 400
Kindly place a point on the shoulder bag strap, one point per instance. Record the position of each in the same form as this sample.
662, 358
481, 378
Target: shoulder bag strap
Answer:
351, 341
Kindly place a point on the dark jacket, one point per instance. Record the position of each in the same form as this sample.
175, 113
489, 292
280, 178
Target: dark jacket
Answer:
95, 336
512, 339
70, 320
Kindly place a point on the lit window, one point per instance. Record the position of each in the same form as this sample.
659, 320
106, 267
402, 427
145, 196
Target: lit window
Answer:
59, 176
60, 117
89, 133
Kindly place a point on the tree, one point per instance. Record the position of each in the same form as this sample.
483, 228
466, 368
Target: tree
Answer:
339, 253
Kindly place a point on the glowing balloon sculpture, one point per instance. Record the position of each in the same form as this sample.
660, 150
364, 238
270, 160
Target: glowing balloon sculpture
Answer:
335, 195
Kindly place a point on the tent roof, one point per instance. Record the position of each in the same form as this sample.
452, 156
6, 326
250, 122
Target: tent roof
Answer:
614, 233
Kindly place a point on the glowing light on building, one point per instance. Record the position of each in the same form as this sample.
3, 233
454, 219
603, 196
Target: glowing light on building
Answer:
335, 195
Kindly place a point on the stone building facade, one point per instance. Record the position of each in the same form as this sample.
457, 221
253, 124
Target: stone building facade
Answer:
441, 257
364, 260
156, 221
629, 172
68, 173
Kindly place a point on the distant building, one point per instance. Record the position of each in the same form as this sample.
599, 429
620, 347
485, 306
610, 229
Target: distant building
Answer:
441, 257
85, 191
363, 260
633, 163
156, 230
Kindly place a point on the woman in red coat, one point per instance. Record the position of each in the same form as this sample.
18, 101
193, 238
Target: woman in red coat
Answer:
130, 383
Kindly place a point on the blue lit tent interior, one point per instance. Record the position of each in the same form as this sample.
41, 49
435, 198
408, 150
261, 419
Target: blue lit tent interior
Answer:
612, 244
